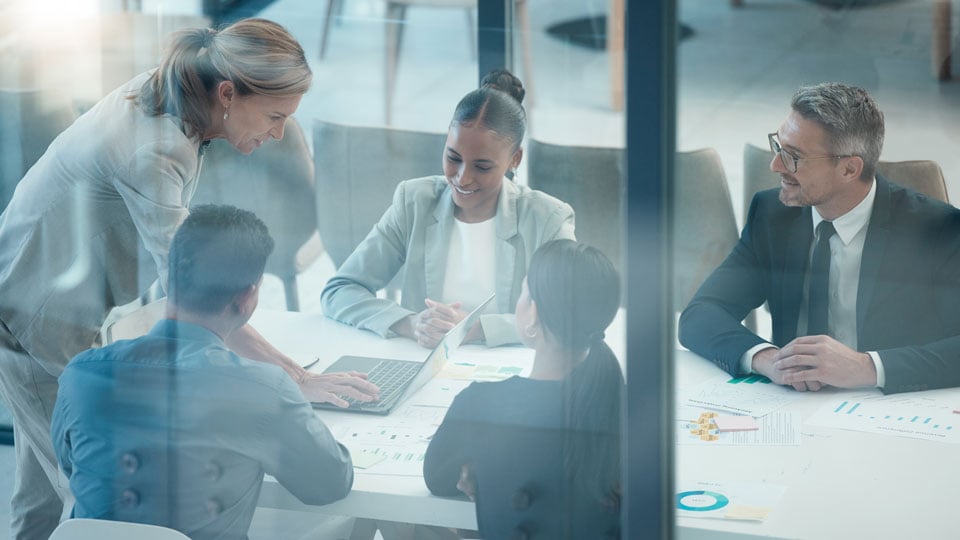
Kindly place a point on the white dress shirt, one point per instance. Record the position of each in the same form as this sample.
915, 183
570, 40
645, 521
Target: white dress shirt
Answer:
846, 253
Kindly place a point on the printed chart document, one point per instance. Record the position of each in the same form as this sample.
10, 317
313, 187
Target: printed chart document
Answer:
391, 445
698, 427
751, 501
917, 416
483, 364
754, 395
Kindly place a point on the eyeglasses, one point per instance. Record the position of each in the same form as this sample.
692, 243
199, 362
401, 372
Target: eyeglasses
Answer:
790, 161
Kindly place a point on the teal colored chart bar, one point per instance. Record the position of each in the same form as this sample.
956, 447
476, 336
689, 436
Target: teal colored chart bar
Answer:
840, 408
853, 408
914, 419
927, 421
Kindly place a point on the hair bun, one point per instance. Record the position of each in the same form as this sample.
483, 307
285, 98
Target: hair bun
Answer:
506, 82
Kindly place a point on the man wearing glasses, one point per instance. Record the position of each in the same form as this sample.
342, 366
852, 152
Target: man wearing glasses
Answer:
862, 276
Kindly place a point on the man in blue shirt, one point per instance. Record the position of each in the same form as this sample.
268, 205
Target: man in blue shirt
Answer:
176, 430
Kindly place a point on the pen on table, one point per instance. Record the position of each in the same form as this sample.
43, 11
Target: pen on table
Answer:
317, 359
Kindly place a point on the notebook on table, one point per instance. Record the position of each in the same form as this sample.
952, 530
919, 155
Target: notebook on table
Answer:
400, 379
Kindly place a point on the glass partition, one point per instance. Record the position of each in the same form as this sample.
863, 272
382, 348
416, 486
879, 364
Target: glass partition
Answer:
739, 66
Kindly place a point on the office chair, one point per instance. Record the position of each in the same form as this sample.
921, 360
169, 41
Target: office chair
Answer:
590, 179
357, 170
705, 229
100, 529
276, 183
923, 176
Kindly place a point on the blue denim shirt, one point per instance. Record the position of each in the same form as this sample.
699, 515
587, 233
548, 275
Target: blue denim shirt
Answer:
174, 429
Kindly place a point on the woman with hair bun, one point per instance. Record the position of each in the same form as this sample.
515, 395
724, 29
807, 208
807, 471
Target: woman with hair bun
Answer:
123, 173
458, 238
552, 439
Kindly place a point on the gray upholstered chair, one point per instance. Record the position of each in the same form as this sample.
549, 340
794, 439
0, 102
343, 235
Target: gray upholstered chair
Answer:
100, 529
590, 179
357, 170
31, 120
919, 175
276, 183
705, 229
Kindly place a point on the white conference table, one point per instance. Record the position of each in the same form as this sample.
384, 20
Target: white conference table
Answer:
840, 484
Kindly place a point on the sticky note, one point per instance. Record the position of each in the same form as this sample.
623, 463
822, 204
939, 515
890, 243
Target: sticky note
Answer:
742, 511
736, 423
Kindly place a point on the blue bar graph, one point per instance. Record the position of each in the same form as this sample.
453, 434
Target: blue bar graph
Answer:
853, 408
840, 408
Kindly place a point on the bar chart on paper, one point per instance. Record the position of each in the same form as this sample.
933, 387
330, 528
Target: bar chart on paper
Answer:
915, 417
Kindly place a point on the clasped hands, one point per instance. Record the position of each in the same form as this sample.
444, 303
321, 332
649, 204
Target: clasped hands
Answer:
812, 362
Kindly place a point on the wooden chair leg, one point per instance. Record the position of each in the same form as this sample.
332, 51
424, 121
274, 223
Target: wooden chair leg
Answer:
941, 40
472, 32
291, 294
325, 31
394, 21
523, 18
615, 45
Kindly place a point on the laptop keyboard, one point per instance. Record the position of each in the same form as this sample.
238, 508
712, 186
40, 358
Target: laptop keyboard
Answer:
391, 377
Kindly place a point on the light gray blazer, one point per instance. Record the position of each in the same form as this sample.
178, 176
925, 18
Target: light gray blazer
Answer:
68, 239
413, 236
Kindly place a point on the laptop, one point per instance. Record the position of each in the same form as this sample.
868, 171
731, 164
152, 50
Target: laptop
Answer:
400, 379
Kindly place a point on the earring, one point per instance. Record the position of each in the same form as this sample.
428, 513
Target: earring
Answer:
226, 114
530, 331
515, 174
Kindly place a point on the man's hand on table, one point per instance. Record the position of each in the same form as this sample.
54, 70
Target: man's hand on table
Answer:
812, 362
329, 387
826, 361
766, 363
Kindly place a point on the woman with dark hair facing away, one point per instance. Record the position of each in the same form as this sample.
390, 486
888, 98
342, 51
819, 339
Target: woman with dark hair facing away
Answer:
458, 238
541, 455
123, 173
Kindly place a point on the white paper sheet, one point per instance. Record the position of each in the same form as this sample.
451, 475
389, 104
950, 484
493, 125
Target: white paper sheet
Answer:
776, 429
751, 501
754, 395
904, 415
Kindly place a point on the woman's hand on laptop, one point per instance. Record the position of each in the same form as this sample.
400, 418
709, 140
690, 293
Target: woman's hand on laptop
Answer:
333, 387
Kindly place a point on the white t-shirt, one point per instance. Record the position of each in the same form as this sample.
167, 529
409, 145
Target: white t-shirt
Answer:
470, 277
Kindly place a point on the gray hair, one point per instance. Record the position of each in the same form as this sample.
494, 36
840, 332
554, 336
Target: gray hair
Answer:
258, 56
851, 118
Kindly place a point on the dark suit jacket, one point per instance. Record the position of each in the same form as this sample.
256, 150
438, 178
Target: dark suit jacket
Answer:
908, 303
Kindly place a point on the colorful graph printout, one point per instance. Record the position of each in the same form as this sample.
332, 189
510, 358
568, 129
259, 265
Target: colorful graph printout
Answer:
751, 501
776, 428
753, 395
913, 416
391, 445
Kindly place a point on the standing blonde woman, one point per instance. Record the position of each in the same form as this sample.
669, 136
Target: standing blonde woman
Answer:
125, 172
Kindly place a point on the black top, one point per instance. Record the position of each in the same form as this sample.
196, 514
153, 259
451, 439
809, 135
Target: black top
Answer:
512, 434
